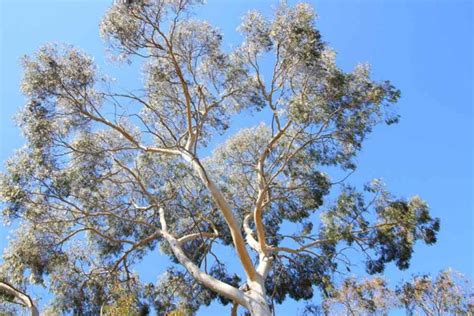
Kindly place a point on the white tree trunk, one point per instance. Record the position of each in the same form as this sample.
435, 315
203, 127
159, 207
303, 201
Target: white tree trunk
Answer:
256, 298
257, 305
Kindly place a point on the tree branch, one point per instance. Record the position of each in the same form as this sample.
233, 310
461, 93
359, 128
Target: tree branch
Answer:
20, 295
249, 233
229, 217
193, 236
263, 189
210, 282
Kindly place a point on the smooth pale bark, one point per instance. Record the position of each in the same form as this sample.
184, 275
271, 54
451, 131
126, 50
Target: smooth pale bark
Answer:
258, 309
249, 234
256, 297
21, 296
210, 282
226, 210
265, 265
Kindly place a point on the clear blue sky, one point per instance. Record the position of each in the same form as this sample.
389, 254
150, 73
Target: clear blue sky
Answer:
424, 47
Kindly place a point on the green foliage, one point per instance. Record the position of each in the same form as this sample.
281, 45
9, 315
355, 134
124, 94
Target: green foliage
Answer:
124, 303
107, 177
448, 293
399, 224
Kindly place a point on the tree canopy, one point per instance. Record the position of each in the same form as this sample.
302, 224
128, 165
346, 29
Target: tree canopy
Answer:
109, 175
448, 293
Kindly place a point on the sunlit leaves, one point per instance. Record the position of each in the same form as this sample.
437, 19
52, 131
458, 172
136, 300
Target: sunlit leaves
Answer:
447, 293
106, 175
371, 296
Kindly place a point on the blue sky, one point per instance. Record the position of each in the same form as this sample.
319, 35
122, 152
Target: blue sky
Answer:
424, 47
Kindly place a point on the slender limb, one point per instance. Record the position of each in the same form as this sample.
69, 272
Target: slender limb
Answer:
263, 189
197, 235
184, 87
249, 233
139, 244
20, 295
210, 282
233, 310
229, 217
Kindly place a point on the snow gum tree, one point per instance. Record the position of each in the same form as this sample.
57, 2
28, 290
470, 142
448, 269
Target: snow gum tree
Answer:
109, 175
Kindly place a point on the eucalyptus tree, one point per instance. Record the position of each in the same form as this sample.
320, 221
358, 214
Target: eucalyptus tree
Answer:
109, 175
